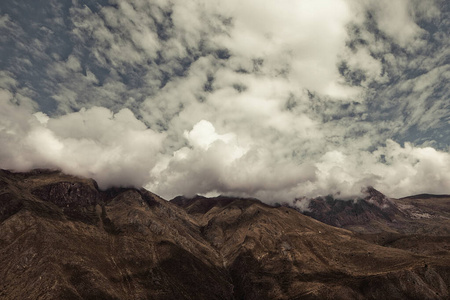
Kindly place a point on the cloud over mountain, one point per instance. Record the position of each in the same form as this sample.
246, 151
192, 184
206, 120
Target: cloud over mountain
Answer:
115, 149
273, 99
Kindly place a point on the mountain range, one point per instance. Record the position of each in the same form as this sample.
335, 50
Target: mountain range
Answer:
61, 237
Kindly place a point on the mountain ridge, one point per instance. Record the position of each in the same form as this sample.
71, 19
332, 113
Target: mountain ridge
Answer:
63, 238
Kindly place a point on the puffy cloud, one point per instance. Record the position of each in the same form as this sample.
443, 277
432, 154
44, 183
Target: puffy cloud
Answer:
298, 38
395, 19
220, 163
396, 170
115, 149
271, 99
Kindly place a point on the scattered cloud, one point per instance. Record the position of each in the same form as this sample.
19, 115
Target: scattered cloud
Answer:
274, 100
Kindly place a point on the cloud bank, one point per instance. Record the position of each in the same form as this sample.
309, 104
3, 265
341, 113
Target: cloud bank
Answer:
115, 149
269, 99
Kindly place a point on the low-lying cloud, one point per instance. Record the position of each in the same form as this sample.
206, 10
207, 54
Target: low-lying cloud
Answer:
231, 167
114, 149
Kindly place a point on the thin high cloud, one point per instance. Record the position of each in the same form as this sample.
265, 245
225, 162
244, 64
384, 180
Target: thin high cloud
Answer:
271, 99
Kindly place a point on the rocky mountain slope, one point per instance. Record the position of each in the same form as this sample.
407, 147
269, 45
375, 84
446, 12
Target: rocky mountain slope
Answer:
63, 238
374, 210
420, 223
375, 213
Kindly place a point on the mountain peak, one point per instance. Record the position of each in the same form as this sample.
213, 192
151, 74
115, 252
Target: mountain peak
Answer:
377, 198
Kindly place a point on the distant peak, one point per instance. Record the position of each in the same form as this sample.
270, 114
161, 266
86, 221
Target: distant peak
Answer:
371, 191
376, 197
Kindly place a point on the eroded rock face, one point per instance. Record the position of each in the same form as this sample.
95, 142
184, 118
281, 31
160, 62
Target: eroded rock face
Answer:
62, 238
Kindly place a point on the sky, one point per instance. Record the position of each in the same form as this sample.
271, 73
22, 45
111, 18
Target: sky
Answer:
254, 98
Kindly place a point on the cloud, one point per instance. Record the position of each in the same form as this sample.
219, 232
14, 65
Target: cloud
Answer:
221, 163
396, 170
300, 39
394, 18
268, 99
115, 149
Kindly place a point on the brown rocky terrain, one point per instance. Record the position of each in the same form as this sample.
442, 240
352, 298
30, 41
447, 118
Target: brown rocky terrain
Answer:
376, 213
375, 210
63, 238
419, 224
